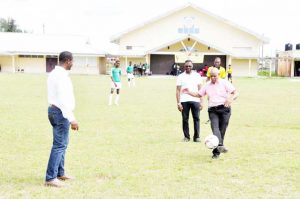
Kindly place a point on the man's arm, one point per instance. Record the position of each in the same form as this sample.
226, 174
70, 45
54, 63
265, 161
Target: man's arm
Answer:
223, 73
194, 94
65, 97
179, 105
208, 74
232, 96
201, 102
113, 81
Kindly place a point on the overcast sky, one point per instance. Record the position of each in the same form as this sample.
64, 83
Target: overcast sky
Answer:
100, 19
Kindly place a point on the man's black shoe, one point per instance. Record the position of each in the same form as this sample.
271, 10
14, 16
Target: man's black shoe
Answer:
186, 139
215, 156
222, 149
197, 140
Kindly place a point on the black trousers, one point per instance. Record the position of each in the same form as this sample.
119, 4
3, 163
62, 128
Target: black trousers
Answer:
195, 108
219, 119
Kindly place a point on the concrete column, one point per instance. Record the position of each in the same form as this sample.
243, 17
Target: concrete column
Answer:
86, 65
13, 63
148, 60
126, 62
228, 60
249, 67
292, 68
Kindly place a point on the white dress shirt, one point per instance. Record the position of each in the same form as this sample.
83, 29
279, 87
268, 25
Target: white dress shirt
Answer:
60, 92
190, 81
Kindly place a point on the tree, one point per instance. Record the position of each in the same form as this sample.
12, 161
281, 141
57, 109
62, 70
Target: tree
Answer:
9, 25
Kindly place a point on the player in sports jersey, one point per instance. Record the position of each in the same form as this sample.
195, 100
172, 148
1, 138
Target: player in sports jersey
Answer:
116, 82
130, 75
229, 74
217, 64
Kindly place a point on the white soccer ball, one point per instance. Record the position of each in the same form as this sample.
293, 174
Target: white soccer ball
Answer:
211, 141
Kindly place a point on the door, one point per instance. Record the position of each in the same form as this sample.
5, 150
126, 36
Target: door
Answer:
209, 60
161, 64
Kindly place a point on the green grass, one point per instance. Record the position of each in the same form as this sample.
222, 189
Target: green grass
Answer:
135, 150
267, 73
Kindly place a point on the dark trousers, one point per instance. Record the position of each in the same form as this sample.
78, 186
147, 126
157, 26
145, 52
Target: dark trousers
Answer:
219, 118
60, 142
195, 108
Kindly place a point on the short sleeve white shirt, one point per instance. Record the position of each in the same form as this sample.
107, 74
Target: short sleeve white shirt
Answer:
190, 81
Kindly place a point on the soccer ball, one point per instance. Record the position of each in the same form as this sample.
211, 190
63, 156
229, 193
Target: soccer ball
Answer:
211, 141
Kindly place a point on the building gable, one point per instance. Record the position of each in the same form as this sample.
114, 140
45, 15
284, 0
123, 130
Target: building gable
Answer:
191, 20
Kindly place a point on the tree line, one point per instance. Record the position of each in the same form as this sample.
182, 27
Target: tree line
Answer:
9, 25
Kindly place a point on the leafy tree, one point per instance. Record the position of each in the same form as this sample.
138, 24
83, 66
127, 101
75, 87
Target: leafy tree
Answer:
9, 25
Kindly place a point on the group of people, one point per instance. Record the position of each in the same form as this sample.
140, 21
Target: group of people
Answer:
175, 71
220, 92
189, 96
204, 72
140, 69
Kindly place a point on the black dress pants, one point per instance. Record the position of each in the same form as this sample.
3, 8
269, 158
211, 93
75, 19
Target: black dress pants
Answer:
195, 108
219, 118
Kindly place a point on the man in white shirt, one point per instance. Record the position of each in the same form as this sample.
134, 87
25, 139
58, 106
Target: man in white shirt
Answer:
191, 80
60, 114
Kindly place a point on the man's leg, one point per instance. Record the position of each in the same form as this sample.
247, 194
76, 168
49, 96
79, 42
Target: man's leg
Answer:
185, 119
225, 114
59, 144
110, 96
61, 167
214, 123
195, 107
117, 97
129, 82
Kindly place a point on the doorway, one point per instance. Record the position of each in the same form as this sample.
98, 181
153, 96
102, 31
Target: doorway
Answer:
297, 69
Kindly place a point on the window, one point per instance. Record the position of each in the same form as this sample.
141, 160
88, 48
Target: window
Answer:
31, 56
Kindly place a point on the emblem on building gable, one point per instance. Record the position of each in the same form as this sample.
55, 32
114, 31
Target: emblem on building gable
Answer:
188, 26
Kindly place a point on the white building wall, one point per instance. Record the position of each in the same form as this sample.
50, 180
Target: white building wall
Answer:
31, 65
81, 64
85, 65
6, 64
241, 68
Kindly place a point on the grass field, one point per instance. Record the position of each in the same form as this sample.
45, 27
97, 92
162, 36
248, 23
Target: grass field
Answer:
135, 150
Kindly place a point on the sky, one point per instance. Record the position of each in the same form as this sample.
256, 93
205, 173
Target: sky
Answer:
101, 19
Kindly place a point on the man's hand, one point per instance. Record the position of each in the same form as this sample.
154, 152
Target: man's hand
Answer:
74, 125
115, 84
228, 102
201, 106
179, 107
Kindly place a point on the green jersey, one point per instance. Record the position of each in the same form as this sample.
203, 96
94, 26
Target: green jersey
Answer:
129, 69
115, 73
